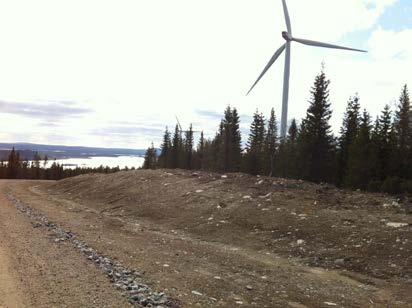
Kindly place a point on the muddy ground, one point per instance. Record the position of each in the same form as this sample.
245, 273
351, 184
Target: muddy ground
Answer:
213, 240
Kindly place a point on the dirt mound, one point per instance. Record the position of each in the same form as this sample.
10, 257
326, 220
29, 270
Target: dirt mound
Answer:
362, 232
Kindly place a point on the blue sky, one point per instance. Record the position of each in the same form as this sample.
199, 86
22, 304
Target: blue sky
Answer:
114, 74
397, 17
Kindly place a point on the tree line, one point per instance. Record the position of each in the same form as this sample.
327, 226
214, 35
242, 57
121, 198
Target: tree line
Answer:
373, 155
16, 168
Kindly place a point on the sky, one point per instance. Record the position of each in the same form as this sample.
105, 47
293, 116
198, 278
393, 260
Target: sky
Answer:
115, 73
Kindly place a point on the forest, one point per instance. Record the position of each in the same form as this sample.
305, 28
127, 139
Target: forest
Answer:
368, 154
17, 167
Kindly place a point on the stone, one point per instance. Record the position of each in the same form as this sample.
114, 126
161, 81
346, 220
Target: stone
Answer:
397, 224
339, 262
300, 242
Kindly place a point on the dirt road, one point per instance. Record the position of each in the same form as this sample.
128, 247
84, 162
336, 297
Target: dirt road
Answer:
189, 258
37, 272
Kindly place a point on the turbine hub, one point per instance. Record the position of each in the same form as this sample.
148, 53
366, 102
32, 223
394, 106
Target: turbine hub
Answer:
286, 36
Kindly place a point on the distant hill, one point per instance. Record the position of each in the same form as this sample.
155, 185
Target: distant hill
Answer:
27, 151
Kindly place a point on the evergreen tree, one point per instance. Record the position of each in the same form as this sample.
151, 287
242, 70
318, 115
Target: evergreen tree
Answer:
236, 158
188, 148
216, 151
384, 139
231, 141
176, 153
290, 151
165, 150
150, 158
200, 152
403, 128
316, 142
360, 158
13, 165
36, 161
207, 155
254, 157
270, 145
348, 133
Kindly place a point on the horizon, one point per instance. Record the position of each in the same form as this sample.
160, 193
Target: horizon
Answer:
101, 81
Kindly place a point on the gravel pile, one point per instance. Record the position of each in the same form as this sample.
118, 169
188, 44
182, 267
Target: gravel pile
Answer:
128, 282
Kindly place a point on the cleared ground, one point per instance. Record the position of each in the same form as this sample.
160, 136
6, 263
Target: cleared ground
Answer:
211, 240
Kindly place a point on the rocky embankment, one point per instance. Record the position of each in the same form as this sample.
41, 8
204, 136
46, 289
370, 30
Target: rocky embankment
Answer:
128, 281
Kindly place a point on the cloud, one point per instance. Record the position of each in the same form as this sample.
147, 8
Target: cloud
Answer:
127, 131
187, 58
43, 110
209, 114
391, 45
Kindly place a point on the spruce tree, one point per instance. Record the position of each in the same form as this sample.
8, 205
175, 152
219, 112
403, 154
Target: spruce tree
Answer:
386, 144
165, 150
188, 148
236, 142
231, 141
403, 128
316, 142
150, 158
270, 145
176, 152
13, 164
348, 133
200, 152
291, 150
216, 152
254, 157
360, 156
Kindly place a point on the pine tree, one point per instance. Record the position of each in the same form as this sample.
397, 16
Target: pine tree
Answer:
348, 133
316, 142
150, 158
271, 144
403, 128
165, 150
254, 157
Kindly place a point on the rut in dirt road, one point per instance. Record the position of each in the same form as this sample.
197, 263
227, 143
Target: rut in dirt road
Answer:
128, 282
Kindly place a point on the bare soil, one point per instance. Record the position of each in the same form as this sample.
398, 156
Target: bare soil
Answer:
213, 241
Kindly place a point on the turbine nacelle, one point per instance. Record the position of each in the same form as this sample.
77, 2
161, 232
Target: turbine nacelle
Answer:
286, 36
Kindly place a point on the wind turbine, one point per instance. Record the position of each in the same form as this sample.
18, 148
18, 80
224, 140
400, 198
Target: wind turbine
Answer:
184, 131
287, 35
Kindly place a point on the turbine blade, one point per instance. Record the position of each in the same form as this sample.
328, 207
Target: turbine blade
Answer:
325, 45
285, 99
272, 60
178, 123
287, 18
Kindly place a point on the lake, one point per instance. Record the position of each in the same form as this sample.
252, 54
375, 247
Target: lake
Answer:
97, 161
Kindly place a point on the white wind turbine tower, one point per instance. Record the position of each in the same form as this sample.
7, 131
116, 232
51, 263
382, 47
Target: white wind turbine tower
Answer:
287, 35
